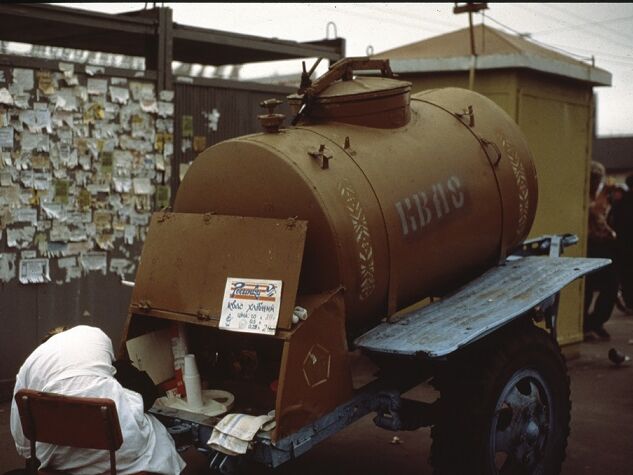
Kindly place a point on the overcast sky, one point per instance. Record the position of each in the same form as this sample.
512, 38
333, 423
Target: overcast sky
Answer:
602, 30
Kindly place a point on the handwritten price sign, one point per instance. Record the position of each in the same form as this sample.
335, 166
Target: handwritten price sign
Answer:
251, 305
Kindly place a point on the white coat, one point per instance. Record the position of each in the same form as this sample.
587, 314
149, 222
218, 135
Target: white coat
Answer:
78, 362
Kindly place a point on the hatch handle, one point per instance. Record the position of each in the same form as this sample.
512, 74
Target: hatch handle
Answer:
323, 154
486, 143
344, 69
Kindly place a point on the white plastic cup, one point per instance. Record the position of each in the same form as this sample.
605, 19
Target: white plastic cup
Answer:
191, 368
194, 391
191, 378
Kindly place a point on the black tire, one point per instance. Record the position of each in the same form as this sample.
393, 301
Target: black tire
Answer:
504, 407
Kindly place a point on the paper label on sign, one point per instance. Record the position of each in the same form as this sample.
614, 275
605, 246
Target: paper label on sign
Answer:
251, 305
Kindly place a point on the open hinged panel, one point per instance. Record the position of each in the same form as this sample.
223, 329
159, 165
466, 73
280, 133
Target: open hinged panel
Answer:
187, 259
301, 371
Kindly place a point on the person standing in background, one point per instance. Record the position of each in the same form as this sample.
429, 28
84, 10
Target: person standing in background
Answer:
622, 222
601, 243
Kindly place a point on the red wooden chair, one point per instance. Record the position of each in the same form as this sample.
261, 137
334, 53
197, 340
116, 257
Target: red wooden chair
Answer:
82, 422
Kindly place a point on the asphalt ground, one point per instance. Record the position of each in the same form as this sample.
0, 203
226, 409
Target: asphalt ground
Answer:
601, 440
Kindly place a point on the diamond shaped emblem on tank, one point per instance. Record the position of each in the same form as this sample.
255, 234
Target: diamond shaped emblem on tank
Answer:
316, 366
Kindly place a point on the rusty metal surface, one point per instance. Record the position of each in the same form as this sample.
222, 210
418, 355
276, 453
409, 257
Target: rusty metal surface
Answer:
69, 27
315, 373
216, 47
354, 89
187, 258
346, 241
507, 150
381, 109
131, 32
388, 209
342, 70
488, 302
339, 96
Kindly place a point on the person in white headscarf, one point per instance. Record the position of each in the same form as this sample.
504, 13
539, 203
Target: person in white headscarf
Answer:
78, 362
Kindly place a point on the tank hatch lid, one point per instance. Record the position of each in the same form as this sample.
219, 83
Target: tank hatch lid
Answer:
361, 87
341, 96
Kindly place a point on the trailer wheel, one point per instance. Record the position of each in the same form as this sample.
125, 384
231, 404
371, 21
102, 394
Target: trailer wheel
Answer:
504, 407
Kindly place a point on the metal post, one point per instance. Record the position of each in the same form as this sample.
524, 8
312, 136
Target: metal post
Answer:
473, 55
471, 8
168, 46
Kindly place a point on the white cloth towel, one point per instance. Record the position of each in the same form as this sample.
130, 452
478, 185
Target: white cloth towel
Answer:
233, 434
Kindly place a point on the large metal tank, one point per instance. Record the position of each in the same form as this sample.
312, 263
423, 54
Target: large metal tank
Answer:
405, 196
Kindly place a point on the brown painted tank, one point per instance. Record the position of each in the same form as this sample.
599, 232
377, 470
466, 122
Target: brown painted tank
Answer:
405, 196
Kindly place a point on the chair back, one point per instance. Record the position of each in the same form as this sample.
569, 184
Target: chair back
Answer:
81, 422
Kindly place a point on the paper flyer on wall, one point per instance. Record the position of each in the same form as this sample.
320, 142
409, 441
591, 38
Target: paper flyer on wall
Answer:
121, 266
24, 215
40, 161
46, 83
187, 126
6, 137
65, 100
166, 95
165, 109
93, 70
92, 261
142, 186
34, 271
119, 95
24, 78
28, 254
97, 86
199, 143
213, 119
6, 178
7, 267
54, 210
55, 249
5, 97
21, 100
61, 191
20, 238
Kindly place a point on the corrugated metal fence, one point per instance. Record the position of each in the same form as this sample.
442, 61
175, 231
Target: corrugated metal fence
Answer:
217, 110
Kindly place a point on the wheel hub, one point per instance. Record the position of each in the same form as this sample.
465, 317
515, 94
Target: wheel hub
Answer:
531, 432
521, 423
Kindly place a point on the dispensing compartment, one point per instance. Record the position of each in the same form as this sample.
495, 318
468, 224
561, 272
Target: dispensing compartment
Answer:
301, 374
224, 288
238, 370
245, 365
